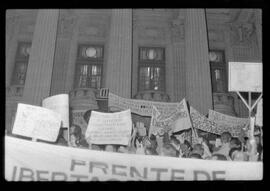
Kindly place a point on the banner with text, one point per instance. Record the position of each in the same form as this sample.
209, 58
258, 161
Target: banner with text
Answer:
140, 107
109, 128
178, 121
199, 121
35, 161
226, 120
36, 122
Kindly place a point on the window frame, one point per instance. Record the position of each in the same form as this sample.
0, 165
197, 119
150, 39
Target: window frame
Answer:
152, 64
222, 66
80, 61
19, 59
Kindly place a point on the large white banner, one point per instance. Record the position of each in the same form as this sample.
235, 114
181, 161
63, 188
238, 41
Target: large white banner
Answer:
109, 128
140, 107
35, 161
245, 76
60, 104
227, 120
36, 122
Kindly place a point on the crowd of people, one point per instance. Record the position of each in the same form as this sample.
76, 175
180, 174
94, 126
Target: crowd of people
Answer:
222, 147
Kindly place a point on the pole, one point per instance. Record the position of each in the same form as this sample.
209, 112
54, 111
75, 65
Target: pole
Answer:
249, 104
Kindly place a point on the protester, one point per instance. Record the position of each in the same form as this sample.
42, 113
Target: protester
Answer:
168, 150
235, 143
232, 150
225, 144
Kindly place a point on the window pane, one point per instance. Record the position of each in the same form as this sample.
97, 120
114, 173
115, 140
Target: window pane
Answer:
19, 74
83, 76
219, 80
144, 83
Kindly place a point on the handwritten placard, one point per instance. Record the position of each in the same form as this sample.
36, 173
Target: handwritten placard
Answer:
178, 120
109, 128
227, 120
60, 104
36, 122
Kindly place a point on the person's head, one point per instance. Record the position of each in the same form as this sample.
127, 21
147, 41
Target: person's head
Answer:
232, 150
150, 151
96, 147
239, 156
257, 139
168, 150
218, 157
122, 149
235, 143
76, 131
225, 137
198, 148
110, 148
195, 156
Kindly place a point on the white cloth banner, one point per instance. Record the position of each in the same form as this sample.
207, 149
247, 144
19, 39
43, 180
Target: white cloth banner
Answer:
201, 122
60, 104
109, 128
36, 122
259, 114
178, 121
222, 119
140, 107
35, 161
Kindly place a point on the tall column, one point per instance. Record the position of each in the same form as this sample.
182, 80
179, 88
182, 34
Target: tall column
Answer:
118, 70
198, 79
39, 71
258, 23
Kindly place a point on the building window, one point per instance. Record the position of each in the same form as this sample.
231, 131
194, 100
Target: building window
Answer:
151, 68
218, 71
21, 63
89, 66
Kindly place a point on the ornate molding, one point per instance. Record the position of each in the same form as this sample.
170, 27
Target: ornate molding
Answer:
14, 91
242, 33
66, 25
153, 33
178, 28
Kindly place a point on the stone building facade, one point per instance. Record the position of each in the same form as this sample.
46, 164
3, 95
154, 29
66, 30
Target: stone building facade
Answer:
152, 54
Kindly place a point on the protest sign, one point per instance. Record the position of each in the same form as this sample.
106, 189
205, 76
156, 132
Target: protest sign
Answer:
199, 121
140, 107
36, 122
222, 119
259, 114
245, 77
178, 120
60, 104
109, 128
35, 161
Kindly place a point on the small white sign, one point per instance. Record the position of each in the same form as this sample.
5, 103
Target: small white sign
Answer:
109, 128
245, 76
37, 122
